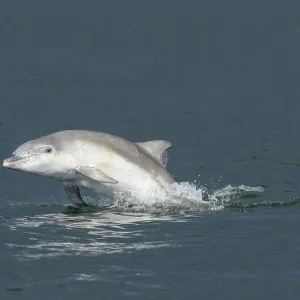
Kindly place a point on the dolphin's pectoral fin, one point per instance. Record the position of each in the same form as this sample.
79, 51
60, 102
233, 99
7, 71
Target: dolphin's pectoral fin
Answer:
95, 174
157, 149
73, 193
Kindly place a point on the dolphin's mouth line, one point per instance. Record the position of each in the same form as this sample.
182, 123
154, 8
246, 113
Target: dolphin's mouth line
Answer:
15, 160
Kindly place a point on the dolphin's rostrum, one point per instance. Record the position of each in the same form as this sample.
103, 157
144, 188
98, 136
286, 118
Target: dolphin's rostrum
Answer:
94, 160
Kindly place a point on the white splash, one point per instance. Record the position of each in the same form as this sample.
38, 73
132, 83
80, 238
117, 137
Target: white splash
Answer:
186, 198
119, 227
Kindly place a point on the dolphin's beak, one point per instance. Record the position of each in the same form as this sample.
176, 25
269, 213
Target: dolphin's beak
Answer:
13, 161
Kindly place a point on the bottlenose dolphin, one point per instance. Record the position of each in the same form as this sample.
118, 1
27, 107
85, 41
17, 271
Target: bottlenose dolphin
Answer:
94, 160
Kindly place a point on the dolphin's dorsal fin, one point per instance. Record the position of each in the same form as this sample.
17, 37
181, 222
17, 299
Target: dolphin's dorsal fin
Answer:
156, 149
95, 174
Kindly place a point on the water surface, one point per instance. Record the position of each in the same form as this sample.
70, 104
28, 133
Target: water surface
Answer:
220, 80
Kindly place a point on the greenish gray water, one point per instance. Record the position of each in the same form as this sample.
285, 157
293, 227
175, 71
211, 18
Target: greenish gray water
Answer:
218, 79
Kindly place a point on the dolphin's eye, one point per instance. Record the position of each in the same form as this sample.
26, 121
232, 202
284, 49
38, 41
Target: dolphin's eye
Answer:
46, 150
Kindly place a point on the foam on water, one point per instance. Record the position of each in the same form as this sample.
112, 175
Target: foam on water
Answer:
114, 229
116, 225
186, 198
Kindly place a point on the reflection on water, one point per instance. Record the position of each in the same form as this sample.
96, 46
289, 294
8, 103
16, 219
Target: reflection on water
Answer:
100, 233
118, 228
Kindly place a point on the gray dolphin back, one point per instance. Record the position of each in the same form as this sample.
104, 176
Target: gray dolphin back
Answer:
137, 153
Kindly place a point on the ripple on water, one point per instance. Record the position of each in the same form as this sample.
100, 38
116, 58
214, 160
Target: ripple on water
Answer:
118, 228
